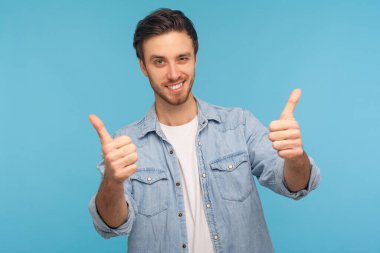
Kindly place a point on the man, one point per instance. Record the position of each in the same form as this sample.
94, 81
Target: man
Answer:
180, 179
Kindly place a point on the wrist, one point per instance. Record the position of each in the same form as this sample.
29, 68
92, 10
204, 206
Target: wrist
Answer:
112, 185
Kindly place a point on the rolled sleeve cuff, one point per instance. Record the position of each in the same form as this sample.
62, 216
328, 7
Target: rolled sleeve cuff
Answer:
103, 229
313, 182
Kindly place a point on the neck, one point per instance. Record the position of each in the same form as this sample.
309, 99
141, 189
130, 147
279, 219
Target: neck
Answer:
176, 115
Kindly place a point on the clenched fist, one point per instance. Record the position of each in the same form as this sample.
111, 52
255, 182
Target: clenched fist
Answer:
285, 133
120, 154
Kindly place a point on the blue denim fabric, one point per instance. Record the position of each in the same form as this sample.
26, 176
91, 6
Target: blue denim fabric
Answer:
232, 147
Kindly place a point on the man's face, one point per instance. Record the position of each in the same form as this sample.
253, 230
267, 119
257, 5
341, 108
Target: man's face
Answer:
169, 63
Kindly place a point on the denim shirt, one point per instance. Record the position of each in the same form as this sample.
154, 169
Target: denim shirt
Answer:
232, 146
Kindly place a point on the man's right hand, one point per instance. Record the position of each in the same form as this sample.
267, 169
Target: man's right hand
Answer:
120, 154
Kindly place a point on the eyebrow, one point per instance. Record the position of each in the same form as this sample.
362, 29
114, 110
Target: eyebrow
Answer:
156, 56
185, 54
162, 57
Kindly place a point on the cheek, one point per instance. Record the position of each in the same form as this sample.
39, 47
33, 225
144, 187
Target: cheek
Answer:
189, 70
156, 75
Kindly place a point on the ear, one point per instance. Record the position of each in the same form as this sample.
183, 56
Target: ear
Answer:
143, 68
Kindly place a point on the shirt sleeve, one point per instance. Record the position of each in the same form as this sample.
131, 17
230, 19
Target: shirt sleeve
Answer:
101, 227
267, 166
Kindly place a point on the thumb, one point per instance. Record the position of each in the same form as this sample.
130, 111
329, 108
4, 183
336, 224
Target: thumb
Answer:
100, 129
288, 111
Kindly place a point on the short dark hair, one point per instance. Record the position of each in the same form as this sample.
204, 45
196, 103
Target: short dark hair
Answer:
162, 21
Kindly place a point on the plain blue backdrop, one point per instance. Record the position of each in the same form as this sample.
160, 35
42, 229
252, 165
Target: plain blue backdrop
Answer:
62, 60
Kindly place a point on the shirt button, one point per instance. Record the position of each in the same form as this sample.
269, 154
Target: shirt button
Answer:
199, 143
203, 174
208, 205
179, 214
178, 184
171, 152
230, 166
149, 179
184, 246
216, 237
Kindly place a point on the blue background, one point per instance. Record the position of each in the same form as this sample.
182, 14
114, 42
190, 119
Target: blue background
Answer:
62, 60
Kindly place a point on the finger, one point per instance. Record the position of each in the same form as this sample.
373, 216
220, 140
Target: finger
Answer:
279, 125
289, 134
128, 171
100, 129
126, 160
290, 153
121, 141
116, 144
288, 111
287, 144
121, 152
123, 174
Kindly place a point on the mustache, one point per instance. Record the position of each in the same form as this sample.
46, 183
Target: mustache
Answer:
176, 81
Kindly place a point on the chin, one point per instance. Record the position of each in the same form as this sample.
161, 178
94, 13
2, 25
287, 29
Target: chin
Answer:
177, 100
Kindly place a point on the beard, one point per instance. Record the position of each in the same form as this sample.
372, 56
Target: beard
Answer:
173, 99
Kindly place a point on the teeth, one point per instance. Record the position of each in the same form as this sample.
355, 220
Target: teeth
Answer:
174, 87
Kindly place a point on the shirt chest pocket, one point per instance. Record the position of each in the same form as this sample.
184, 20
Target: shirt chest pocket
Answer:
150, 191
233, 176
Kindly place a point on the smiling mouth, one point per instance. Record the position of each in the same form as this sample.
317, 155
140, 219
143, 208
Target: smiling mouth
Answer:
175, 87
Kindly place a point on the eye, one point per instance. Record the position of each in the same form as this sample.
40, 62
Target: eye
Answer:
158, 62
183, 58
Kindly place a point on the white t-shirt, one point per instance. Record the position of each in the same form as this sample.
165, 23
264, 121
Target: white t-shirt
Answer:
182, 138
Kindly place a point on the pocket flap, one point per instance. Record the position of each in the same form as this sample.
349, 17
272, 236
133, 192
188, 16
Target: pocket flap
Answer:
149, 175
229, 162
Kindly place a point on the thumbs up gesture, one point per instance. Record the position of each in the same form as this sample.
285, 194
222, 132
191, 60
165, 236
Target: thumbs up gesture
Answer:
119, 154
285, 133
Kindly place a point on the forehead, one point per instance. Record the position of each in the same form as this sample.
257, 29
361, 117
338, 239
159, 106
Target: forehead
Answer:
168, 45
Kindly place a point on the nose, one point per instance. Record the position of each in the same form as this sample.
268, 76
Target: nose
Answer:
173, 72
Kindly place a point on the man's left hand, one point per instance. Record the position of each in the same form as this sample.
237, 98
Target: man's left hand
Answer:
285, 133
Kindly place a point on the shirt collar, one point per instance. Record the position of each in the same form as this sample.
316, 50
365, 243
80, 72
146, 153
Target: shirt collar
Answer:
206, 112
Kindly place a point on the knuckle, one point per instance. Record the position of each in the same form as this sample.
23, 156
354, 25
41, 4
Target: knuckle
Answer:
295, 125
106, 149
299, 151
272, 125
132, 169
121, 138
125, 139
135, 156
108, 157
134, 147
